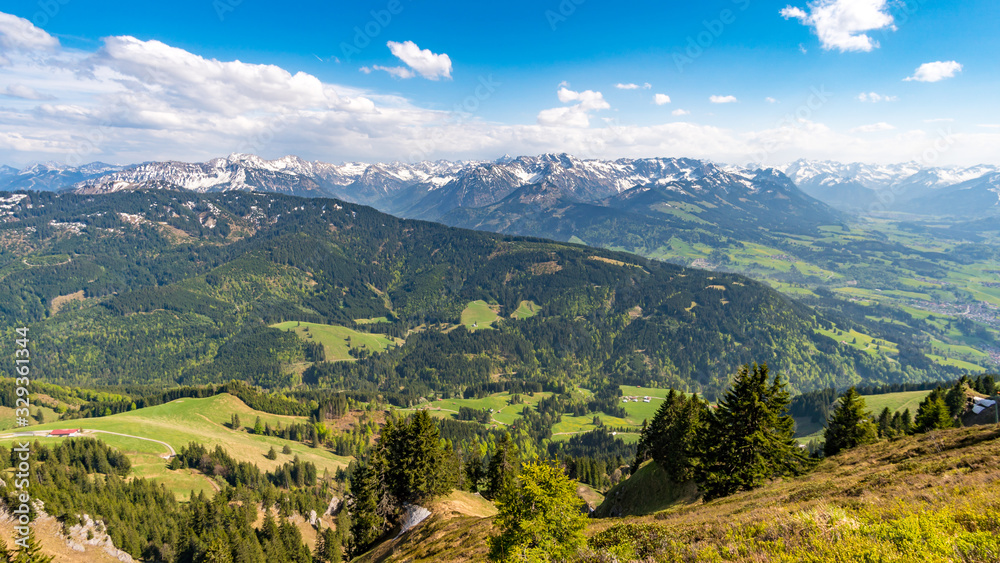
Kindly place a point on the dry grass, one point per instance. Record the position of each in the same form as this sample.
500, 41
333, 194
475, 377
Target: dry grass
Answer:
58, 302
931, 498
48, 532
919, 498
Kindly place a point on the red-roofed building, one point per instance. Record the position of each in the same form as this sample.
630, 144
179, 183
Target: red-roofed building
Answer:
65, 432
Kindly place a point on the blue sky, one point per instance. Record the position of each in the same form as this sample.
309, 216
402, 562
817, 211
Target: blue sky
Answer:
736, 80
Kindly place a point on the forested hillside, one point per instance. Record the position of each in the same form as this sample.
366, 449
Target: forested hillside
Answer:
174, 287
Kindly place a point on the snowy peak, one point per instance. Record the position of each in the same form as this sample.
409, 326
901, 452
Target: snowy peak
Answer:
858, 186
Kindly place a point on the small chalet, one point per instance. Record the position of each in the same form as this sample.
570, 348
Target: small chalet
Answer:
64, 433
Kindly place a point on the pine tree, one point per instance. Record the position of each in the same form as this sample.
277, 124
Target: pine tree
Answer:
258, 427
369, 506
31, 552
235, 422
502, 468
850, 424
5, 554
672, 439
272, 454
751, 436
933, 413
955, 399
886, 420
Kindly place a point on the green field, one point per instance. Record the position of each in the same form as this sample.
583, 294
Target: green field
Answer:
183, 421
570, 425
503, 411
49, 260
897, 402
478, 315
807, 430
337, 340
861, 341
526, 310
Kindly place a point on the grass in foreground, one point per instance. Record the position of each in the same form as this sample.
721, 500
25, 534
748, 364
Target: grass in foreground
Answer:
925, 498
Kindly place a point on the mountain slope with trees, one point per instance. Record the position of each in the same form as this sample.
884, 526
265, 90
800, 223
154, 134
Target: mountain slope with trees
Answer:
182, 288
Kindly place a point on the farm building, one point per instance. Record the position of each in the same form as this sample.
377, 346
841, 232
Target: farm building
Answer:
64, 433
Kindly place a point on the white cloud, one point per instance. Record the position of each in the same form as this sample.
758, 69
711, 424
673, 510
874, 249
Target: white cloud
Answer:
875, 98
134, 100
722, 99
577, 115
933, 72
680, 112
770, 100
873, 128
429, 65
990, 125
397, 71
632, 86
939, 120
842, 24
19, 34
660, 99
24, 92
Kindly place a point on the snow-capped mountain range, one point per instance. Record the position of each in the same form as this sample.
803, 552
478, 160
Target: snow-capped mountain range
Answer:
430, 189
894, 187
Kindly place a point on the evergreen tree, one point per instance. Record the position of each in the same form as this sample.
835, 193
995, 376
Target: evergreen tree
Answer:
31, 552
906, 422
887, 423
502, 468
933, 413
955, 398
5, 554
272, 454
850, 424
258, 427
539, 517
235, 422
673, 438
751, 436
369, 506
416, 464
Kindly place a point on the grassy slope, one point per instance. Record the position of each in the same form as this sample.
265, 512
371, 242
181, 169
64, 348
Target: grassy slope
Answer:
455, 531
647, 490
925, 498
478, 315
334, 338
196, 420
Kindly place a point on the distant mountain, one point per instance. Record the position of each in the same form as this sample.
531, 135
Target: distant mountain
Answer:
977, 197
431, 189
858, 186
746, 205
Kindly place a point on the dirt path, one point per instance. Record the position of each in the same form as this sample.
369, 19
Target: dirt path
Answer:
168, 446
